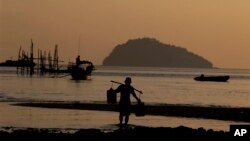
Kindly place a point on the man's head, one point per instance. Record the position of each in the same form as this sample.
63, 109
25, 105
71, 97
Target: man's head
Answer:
128, 80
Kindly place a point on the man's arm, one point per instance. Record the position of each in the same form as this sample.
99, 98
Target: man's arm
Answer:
135, 96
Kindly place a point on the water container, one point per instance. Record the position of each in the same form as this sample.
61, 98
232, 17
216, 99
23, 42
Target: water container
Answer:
140, 109
111, 96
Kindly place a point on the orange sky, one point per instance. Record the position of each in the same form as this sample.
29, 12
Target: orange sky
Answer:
218, 30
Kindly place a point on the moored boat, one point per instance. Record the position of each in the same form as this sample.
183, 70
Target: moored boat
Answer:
223, 78
81, 70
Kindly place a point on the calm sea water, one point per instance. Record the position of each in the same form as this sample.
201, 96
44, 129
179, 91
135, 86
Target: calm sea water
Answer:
159, 85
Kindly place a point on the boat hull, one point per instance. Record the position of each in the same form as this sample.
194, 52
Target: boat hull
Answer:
213, 78
78, 73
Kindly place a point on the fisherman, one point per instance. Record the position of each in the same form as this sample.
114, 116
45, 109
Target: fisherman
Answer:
78, 61
125, 103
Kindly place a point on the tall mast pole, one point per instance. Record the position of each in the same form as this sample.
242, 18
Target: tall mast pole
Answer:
79, 44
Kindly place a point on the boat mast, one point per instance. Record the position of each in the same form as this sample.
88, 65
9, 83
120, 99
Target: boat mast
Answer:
79, 44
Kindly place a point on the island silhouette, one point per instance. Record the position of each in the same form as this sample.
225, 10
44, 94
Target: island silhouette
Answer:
149, 52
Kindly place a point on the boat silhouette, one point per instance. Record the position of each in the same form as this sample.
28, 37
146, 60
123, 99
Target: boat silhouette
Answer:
81, 70
223, 78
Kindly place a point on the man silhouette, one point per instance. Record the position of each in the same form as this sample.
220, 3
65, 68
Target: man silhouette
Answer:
125, 103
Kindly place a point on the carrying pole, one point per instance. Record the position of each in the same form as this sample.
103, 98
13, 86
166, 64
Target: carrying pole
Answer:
122, 83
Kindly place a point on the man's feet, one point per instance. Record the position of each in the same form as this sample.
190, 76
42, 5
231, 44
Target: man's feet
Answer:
120, 125
123, 126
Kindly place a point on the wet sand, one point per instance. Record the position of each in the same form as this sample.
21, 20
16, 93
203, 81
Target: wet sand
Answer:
219, 113
132, 132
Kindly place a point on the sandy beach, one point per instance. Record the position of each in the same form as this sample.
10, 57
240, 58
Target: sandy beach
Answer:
92, 116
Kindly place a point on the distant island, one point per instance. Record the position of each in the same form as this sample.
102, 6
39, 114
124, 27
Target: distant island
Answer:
149, 52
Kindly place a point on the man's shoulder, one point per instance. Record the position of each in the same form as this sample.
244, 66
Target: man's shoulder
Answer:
126, 86
122, 85
131, 87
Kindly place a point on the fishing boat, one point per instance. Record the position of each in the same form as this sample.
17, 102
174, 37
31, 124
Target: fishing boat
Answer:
81, 70
223, 78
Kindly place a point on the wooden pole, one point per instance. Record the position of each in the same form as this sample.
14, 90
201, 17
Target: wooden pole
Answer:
122, 83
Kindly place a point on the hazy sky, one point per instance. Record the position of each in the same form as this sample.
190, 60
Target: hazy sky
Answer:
218, 30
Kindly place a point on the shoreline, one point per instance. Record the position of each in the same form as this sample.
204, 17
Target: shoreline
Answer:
219, 113
111, 131
131, 132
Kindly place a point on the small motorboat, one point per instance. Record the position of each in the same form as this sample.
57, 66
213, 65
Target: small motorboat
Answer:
223, 78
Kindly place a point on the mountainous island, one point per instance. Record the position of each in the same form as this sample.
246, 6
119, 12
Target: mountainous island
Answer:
149, 52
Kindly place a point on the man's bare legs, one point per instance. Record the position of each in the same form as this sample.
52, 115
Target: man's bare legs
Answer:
121, 119
126, 120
